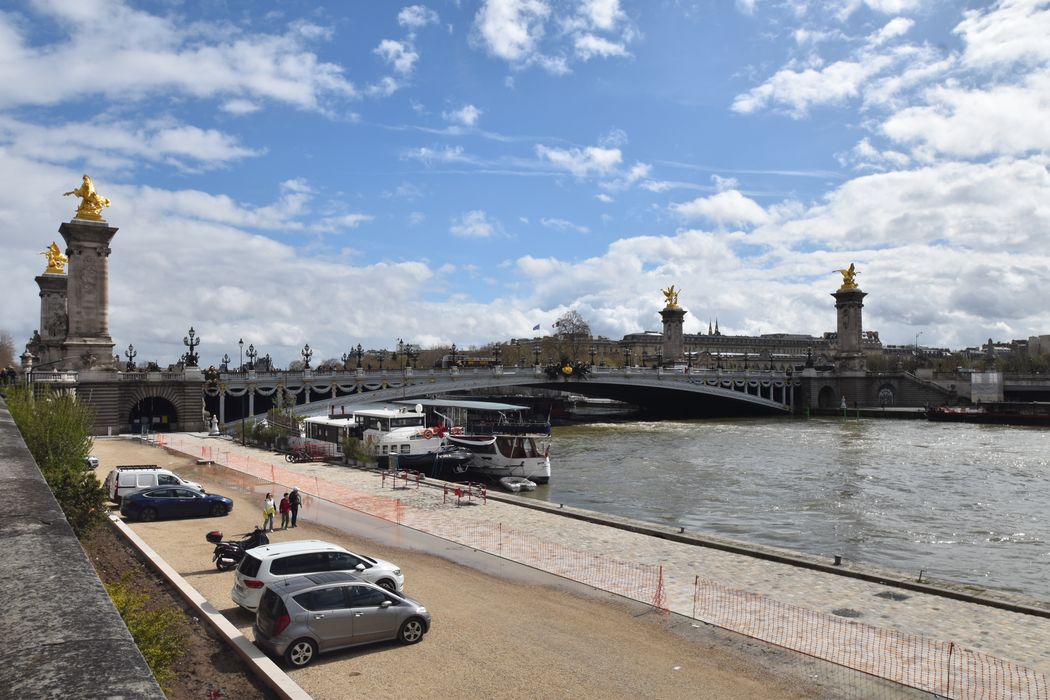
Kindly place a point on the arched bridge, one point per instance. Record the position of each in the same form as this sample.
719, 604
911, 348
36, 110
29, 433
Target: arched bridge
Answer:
696, 392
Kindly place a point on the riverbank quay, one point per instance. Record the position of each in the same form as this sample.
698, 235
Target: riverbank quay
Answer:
501, 630
928, 641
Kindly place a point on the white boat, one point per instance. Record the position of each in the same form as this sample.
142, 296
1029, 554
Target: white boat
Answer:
502, 442
383, 430
517, 483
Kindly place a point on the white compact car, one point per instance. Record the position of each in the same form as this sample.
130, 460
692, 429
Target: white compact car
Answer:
273, 562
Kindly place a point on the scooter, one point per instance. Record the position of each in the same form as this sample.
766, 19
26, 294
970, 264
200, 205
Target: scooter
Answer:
228, 553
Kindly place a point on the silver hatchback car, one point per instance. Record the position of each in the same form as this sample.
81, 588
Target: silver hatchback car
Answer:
302, 616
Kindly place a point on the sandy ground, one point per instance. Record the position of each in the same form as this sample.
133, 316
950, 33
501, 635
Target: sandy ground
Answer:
521, 634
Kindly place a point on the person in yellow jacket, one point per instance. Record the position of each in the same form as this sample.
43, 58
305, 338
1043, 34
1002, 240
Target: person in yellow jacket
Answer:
269, 510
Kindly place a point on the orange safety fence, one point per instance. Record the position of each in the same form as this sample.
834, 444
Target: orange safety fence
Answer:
944, 668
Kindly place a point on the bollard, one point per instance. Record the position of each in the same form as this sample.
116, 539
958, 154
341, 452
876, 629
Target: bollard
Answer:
838, 560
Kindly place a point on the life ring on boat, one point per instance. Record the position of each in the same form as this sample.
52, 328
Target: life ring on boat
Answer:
428, 433
457, 430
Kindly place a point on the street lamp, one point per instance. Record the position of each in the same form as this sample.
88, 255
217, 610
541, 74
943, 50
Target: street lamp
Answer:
347, 356
240, 346
307, 353
382, 355
536, 354
191, 341
359, 353
131, 355
226, 362
401, 354
452, 362
594, 351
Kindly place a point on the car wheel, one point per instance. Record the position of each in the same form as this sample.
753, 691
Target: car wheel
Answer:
387, 584
300, 652
148, 515
218, 509
411, 631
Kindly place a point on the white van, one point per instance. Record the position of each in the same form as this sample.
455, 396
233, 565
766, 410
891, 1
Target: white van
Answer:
140, 476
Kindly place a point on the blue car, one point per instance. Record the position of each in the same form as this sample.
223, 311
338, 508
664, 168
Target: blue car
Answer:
173, 502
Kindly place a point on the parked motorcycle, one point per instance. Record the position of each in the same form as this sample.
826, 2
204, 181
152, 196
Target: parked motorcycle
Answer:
228, 553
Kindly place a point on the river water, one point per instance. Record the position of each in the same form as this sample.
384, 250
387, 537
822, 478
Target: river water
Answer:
964, 503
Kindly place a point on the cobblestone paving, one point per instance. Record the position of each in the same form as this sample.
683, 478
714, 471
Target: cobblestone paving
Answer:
1016, 637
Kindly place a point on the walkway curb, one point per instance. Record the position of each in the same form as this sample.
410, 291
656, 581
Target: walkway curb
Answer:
260, 664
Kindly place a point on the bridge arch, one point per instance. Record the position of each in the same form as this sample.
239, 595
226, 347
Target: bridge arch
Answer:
156, 408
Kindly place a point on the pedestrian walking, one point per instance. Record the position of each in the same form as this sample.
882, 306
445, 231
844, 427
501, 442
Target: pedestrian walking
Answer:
295, 500
269, 510
286, 510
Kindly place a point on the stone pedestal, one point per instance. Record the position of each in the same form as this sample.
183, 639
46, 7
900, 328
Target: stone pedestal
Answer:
849, 354
53, 320
88, 343
673, 349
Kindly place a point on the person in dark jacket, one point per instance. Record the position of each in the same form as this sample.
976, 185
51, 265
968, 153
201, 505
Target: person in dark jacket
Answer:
295, 500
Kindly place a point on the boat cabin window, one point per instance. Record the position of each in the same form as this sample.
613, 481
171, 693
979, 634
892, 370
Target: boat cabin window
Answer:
413, 421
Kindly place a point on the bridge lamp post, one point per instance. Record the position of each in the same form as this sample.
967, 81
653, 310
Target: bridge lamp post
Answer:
191, 341
240, 346
131, 355
452, 362
225, 362
496, 354
401, 354
307, 354
359, 352
252, 354
594, 351
347, 357
536, 354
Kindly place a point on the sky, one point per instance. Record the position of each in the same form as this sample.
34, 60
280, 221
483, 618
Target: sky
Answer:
460, 172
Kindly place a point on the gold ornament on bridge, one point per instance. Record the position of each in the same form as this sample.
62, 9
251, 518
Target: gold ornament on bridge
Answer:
671, 295
849, 277
56, 261
90, 202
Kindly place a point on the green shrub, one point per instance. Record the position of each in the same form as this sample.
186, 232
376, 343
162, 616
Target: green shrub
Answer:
157, 633
57, 430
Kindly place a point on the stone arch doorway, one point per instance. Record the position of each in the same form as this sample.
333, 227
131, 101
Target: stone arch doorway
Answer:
826, 398
153, 413
887, 394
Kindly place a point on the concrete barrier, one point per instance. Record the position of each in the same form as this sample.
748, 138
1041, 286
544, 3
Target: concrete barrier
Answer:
65, 639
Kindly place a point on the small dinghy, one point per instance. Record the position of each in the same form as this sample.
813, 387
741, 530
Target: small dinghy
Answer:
517, 483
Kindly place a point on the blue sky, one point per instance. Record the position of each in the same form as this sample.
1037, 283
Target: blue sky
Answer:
359, 172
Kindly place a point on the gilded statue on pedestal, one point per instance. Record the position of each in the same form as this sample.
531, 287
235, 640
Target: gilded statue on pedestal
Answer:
90, 202
671, 295
849, 277
56, 261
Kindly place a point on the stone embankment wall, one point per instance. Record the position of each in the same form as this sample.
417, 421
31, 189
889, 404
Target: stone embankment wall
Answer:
66, 640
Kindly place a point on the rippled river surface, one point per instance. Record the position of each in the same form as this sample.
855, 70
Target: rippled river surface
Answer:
965, 503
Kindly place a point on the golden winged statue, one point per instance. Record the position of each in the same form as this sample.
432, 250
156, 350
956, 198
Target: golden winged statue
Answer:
90, 202
671, 295
56, 261
849, 277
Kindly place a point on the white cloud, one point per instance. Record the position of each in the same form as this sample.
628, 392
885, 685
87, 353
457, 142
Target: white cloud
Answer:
334, 224
602, 197
474, 224
386, 87
727, 207
444, 154
416, 17
563, 225
801, 89
971, 123
140, 54
240, 106
589, 46
1008, 32
582, 162
398, 54
467, 115
512, 29
121, 145
896, 27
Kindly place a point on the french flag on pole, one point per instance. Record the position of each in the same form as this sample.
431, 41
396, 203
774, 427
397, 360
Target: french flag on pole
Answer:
536, 327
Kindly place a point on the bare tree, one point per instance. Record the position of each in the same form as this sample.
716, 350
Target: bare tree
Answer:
573, 333
7, 350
